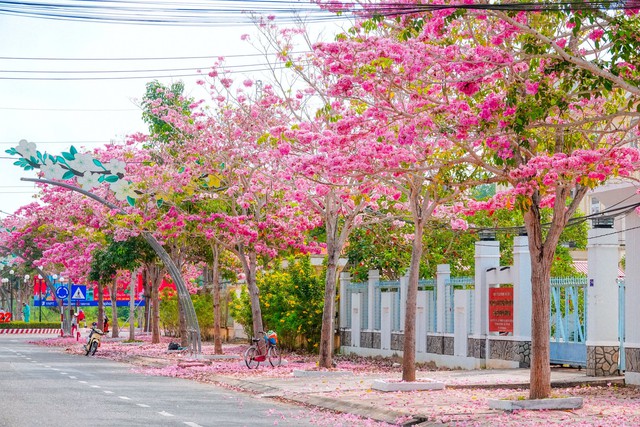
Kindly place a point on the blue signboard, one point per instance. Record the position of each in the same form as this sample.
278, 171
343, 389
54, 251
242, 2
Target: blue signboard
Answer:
62, 292
78, 292
107, 303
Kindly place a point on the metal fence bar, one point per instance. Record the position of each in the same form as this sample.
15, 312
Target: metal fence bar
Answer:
622, 360
568, 309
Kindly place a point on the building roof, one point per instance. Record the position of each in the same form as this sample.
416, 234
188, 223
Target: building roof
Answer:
583, 268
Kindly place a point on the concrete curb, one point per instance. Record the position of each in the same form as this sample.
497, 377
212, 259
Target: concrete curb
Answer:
329, 403
554, 384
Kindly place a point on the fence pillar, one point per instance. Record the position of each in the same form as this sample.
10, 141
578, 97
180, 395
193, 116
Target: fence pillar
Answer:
487, 256
443, 273
356, 316
385, 320
602, 301
521, 274
460, 322
421, 322
374, 280
632, 299
345, 280
404, 287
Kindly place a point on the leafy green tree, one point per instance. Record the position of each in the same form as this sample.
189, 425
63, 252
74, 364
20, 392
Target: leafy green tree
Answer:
291, 301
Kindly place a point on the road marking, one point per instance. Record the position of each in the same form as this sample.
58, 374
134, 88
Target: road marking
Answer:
124, 397
82, 382
64, 373
190, 424
166, 414
72, 377
142, 405
108, 392
95, 386
55, 369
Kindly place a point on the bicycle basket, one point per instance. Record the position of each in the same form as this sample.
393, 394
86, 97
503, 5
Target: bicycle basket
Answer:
272, 337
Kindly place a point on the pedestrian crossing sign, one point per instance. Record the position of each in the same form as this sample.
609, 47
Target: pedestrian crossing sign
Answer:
78, 292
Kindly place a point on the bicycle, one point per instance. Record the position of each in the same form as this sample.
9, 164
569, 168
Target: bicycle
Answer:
262, 349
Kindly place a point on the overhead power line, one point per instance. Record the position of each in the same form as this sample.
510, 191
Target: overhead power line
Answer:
147, 58
234, 12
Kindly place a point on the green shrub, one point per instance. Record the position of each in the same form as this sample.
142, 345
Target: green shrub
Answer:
291, 301
202, 303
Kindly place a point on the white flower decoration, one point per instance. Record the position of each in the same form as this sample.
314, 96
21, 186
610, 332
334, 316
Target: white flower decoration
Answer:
27, 149
116, 166
52, 170
82, 163
88, 181
123, 189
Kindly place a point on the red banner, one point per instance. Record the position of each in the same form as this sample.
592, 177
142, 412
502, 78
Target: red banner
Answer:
500, 309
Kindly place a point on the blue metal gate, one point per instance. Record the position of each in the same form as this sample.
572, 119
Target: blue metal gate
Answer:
568, 321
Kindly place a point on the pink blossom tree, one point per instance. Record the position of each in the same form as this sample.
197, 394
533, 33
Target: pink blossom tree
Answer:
545, 102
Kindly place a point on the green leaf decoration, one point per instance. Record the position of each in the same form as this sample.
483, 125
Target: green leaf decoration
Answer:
101, 178
17, 163
67, 175
111, 178
98, 163
159, 202
131, 201
60, 159
68, 156
73, 150
11, 151
28, 168
40, 157
33, 159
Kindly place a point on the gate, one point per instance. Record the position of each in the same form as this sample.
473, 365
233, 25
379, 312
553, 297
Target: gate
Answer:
568, 321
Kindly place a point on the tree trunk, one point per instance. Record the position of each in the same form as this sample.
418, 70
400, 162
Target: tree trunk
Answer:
155, 312
184, 334
115, 333
215, 273
328, 312
155, 275
132, 305
409, 348
250, 264
100, 307
541, 259
147, 300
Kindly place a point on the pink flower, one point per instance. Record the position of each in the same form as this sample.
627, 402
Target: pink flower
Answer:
596, 34
532, 88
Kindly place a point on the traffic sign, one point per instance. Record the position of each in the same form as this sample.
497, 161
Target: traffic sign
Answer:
62, 292
78, 292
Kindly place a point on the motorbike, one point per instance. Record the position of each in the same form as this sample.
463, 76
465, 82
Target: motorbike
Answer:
93, 342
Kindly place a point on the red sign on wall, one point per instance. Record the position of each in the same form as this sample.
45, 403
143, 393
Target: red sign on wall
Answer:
500, 309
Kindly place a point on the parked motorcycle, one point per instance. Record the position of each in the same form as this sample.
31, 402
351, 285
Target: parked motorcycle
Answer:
93, 342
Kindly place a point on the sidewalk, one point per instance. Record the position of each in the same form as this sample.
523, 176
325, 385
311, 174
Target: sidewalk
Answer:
348, 388
461, 403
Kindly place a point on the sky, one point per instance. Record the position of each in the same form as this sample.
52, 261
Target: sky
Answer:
56, 114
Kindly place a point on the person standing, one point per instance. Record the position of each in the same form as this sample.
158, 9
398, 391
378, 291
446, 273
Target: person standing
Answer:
26, 312
81, 318
74, 325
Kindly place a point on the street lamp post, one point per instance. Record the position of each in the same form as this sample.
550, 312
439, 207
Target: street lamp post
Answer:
28, 302
4, 283
12, 273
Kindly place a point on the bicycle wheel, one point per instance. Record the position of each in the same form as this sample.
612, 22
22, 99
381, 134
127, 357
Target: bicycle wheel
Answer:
250, 358
274, 356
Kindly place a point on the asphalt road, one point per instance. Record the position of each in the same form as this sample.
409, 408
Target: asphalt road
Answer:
43, 387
